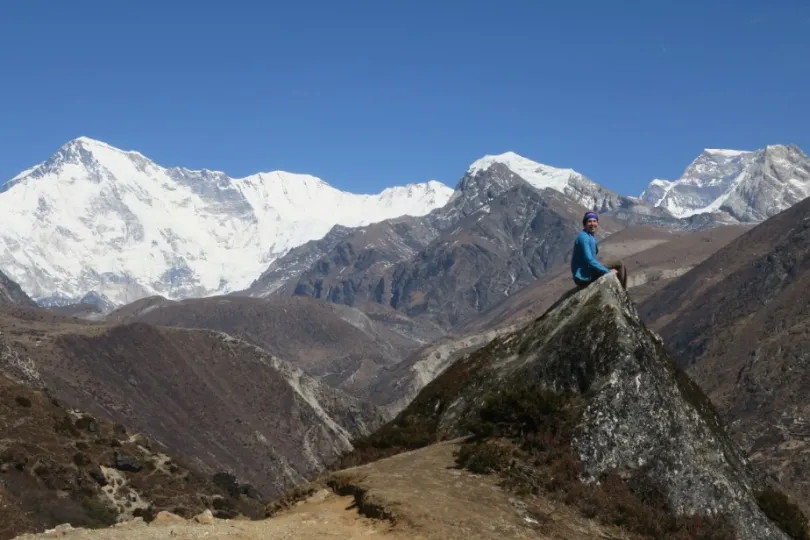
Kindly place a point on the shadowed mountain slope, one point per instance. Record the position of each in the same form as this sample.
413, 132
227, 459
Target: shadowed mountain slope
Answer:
341, 345
739, 323
12, 294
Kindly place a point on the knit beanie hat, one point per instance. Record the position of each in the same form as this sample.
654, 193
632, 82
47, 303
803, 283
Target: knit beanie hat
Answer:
589, 215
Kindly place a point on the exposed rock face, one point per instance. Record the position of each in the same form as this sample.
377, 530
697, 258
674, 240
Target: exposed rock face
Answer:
516, 240
358, 258
641, 417
12, 294
286, 268
739, 322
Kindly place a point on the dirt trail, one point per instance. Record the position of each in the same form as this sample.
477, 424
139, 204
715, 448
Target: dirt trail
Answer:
415, 496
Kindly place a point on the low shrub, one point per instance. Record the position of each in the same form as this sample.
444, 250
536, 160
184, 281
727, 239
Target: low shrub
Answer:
101, 514
784, 513
524, 434
23, 401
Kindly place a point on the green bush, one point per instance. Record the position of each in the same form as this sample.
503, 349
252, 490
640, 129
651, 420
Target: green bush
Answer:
483, 457
100, 513
521, 412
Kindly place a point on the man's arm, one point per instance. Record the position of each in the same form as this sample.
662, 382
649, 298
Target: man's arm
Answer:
593, 262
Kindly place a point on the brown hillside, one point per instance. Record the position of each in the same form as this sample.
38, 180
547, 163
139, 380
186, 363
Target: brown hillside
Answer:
339, 344
59, 465
224, 404
739, 321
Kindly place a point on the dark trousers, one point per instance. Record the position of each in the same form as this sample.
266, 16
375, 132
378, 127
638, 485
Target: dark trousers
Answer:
621, 273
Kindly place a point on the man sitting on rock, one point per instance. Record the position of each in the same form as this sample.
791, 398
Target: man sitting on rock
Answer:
585, 267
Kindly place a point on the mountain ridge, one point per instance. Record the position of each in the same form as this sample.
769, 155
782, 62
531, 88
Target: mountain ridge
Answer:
498, 225
93, 217
144, 230
747, 185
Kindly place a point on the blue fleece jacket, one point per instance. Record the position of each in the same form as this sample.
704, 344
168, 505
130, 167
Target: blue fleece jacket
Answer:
584, 264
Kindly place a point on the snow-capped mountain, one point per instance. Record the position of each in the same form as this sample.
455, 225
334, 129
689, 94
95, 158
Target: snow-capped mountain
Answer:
96, 218
749, 186
566, 181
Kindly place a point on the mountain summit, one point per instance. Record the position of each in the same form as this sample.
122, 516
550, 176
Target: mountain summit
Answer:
568, 182
93, 217
748, 186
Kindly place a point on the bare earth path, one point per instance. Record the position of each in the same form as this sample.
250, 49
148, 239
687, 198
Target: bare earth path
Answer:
420, 494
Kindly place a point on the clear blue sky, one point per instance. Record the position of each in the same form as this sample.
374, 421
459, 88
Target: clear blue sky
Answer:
372, 93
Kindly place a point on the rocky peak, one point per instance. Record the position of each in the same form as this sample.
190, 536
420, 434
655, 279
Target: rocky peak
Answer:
490, 170
600, 387
714, 167
76, 151
88, 154
748, 186
92, 298
479, 187
777, 178
540, 176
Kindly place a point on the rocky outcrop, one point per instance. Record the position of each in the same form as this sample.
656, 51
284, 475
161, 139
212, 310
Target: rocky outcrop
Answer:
588, 380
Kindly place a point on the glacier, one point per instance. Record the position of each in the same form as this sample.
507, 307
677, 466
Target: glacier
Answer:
97, 218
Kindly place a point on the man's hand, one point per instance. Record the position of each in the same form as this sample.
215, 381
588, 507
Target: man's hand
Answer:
614, 270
